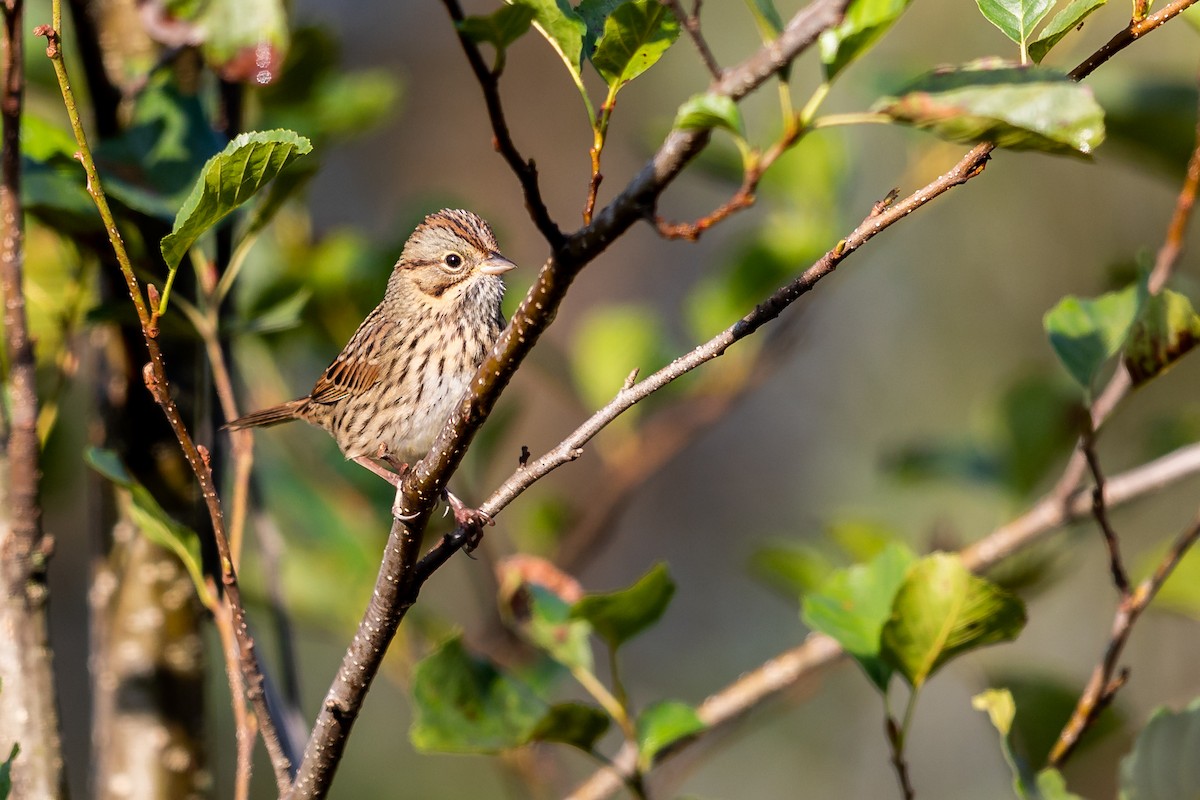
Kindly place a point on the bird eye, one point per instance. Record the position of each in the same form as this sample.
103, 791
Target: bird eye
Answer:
453, 260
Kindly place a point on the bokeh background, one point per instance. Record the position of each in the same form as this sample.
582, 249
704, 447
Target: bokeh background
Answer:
890, 392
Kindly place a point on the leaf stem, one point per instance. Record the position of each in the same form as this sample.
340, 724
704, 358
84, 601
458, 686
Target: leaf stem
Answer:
854, 118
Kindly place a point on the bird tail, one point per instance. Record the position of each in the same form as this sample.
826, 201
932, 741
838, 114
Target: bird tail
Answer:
269, 416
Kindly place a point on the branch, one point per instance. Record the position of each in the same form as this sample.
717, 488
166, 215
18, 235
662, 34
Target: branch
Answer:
819, 652
27, 708
155, 376
396, 585
526, 171
1106, 680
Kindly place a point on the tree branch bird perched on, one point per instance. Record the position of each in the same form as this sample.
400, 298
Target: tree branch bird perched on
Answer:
392, 388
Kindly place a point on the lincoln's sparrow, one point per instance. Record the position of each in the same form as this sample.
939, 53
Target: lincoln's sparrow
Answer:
393, 386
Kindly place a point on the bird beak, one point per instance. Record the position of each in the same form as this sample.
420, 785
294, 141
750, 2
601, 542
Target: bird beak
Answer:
496, 264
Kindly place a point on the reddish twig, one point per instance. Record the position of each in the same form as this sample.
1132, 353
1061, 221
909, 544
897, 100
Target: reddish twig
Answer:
1136, 29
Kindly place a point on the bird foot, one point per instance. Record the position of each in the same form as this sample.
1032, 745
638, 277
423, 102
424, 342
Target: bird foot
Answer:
472, 519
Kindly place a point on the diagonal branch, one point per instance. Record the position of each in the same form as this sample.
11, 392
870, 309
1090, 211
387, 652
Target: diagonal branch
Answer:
396, 585
819, 652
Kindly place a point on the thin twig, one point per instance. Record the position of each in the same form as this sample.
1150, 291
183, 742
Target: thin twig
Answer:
1136, 29
244, 728
1115, 564
156, 381
691, 24
895, 737
1106, 680
395, 587
525, 170
819, 652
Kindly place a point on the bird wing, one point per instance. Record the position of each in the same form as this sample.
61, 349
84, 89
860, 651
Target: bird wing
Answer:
357, 368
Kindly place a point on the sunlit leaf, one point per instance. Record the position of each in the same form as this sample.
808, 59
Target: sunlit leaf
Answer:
704, 111
1013, 107
1163, 764
563, 28
618, 616
229, 179
662, 724
865, 22
942, 611
1070, 17
854, 604
636, 34
152, 519
1016, 18
1045, 785
1166, 330
1085, 334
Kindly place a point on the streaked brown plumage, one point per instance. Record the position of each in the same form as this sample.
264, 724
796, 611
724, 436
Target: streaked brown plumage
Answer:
395, 383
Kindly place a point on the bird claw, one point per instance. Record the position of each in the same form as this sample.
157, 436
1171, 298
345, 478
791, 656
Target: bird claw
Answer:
472, 519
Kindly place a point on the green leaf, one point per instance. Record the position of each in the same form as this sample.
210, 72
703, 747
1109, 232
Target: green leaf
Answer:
594, 13
229, 179
1043, 706
1047, 784
662, 724
1020, 108
942, 611
1071, 16
860, 538
792, 569
618, 616
704, 111
1087, 333
1000, 708
463, 704
1163, 764
562, 28
1166, 330
635, 37
550, 625
855, 603
152, 519
865, 22
1016, 18
575, 724
152, 166
6, 771
52, 181
500, 28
